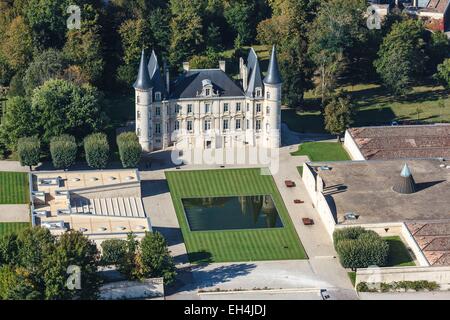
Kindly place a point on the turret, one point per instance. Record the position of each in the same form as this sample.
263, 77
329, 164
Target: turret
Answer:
272, 98
143, 90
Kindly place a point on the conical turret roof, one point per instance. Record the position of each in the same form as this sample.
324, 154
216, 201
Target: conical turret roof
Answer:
143, 81
273, 73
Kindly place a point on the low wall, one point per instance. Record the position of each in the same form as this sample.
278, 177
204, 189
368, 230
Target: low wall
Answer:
125, 290
352, 148
440, 275
318, 199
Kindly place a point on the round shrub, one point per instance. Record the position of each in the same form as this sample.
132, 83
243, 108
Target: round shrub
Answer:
129, 149
63, 150
29, 151
96, 148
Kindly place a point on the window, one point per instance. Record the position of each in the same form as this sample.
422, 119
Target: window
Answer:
207, 92
238, 124
268, 94
138, 115
158, 96
248, 107
157, 128
207, 108
158, 111
138, 99
258, 92
248, 124
238, 107
225, 107
225, 124
258, 107
189, 108
177, 125
177, 109
258, 125
207, 125
267, 109
189, 125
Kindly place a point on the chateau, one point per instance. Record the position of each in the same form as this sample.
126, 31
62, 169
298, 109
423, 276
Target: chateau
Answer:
205, 108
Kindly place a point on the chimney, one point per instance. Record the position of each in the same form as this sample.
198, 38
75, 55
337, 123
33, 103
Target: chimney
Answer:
222, 65
167, 75
186, 66
244, 77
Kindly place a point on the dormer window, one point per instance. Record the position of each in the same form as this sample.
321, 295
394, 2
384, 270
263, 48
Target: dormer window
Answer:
207, 87
258, 92
157, 96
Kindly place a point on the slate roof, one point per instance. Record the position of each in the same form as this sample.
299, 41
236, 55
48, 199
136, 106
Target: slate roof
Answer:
143, 81
189, 84
254, 72
273, 73
156, 78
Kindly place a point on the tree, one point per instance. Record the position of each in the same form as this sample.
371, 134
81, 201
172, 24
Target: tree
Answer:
96, 148
17, 47
135, 36
113, 252
288, 29
443, 73
17, 122
402, 57
359, 248
155, 257
84, 47
338, 28
129, 149
62, 107
49, 64
63, 150
439, 50
239, 14
72, 249
338, 114
29, 151
186, 29
37, 264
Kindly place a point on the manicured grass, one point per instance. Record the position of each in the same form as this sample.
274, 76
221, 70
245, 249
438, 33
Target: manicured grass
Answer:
322, 151
14, 188
376, 106
233, 245
398, 254
9, 227
300, 170
352, 276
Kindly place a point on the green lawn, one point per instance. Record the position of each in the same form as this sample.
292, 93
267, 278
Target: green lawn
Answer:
322, 151
14, 188
398, 254
233, 245
376, 106
352, 276
9, 227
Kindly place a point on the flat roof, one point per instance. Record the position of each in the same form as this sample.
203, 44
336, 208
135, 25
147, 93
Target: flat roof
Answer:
433, 239
365, 188
400, 142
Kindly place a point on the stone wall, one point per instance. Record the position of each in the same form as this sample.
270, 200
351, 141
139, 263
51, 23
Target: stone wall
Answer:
352, 148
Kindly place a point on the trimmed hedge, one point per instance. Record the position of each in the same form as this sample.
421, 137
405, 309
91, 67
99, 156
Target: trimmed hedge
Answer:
96, 149
29, 151
113, 251
360, 248
63, 150
419, 285
129, 149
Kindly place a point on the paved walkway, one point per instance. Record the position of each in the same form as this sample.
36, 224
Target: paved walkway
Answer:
12, 166
14, 213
